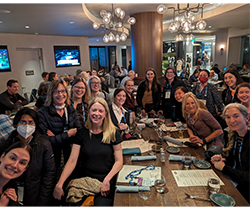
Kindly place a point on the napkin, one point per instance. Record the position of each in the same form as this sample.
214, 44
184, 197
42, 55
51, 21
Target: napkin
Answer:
177, 157
129, 188
139, 158
173, 140
131, 151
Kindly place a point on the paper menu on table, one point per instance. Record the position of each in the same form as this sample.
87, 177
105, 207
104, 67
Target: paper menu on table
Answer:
140, 143
187, 178
144, 174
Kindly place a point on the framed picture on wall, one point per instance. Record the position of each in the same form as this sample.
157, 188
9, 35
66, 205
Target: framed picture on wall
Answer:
4, 59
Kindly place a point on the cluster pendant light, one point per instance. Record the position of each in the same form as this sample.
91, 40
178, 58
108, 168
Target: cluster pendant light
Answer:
114, 23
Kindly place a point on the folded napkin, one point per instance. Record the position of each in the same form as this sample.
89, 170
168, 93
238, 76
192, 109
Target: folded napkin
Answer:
177, 157
131, 151
139, 158
129, 188
173, 140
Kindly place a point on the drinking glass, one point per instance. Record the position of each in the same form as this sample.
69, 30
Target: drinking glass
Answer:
160, 183
213, 185
7, 112
138, 131
186, 160
145, 192
180, 132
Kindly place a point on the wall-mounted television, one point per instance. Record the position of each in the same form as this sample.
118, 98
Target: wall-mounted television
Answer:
66, 56
4, 59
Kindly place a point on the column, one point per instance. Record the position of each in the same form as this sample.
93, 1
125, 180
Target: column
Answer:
146, 43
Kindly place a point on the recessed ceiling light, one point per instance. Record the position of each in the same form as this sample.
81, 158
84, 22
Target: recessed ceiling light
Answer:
4, 11
1, 22
71, 22
26, 26
97, 40
210, 26
36, 33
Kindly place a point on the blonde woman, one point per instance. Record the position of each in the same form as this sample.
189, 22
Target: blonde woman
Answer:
59, 120
203, 128
97, 152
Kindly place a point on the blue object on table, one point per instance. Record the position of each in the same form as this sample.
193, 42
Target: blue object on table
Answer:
140, 158
131, 151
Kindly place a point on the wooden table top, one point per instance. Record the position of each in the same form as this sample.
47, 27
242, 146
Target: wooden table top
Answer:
174, 195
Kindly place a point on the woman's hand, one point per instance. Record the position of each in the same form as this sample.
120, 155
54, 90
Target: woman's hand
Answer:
58, 192
143, 112
105, 188
160, 112
195, 139
11, 194
72, 132
122, 126
50, 133
152, 111
4, 200
218, 161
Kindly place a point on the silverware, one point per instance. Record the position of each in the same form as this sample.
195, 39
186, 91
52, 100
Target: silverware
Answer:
198, 198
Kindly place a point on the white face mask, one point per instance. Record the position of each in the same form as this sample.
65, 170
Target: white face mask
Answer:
26, 130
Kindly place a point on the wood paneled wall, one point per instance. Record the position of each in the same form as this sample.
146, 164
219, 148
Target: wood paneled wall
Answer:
146, 43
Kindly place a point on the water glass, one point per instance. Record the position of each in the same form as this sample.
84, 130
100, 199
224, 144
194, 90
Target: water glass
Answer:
186, 160
160, 183
7, 112
180, 132
213, 185
144, 192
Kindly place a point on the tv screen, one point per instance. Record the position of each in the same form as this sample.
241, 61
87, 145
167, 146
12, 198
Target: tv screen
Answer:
4, 59
66, 56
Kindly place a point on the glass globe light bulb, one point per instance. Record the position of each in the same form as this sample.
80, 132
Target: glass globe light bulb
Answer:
186, 29
176, 38
109, 15
123, 37
131, 20
191, 36
106, 20
106, 38
161, 9
96, 25
180, 37
103, 13
119, 24
111, 37
117, 38
201, 25
122, 14
187, 38
117, 11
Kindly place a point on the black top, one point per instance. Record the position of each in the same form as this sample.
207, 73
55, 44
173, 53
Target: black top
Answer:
96, 159
6, 99
40, 101
167, 104
227, 97
241, 173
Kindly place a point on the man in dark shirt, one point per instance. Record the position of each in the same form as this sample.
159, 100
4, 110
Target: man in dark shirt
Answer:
10, 99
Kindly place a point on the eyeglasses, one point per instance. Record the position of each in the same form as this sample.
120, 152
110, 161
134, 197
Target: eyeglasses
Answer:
170, 72
23, 122
62, 92
78, 87
95, 83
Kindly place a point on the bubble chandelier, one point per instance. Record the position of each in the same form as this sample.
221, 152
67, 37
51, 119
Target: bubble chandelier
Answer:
114, 23
186, 23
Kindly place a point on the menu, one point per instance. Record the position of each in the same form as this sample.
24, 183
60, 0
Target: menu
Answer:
187, 178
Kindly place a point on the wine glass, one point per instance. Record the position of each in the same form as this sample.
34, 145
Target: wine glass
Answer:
145, 192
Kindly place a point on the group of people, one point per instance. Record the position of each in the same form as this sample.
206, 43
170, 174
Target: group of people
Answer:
75, 131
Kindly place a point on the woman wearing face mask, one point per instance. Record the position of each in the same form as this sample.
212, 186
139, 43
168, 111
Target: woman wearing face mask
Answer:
130, 100
231, 80
14, 161
208, 93
169, 87
58, 120
94, 89
202, 128
40, 178
236, 165
149, 93
79, 99
179, 94
118, 114
243, 93
96, 153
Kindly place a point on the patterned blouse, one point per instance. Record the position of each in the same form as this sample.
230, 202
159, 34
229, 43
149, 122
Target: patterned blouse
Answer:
212, 97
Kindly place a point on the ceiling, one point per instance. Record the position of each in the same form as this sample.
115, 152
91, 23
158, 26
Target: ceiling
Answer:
54, 19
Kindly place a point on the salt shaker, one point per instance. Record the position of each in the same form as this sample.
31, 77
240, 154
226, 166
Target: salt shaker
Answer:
162, 155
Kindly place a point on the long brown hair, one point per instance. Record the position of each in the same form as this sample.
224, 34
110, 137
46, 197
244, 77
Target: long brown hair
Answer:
85, 97
154, 83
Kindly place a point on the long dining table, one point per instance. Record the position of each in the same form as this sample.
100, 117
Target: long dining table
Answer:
174, 195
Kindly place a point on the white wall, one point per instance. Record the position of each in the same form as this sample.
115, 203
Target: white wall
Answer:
45, 42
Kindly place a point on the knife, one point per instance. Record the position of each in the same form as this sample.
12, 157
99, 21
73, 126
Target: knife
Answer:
198, 198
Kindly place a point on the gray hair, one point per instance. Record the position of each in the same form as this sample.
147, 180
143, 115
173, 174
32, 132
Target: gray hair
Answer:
243, 110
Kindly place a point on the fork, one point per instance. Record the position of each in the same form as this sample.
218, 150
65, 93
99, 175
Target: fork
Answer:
198, 198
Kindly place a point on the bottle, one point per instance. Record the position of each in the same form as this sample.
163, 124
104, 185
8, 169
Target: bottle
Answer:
162, 155
130, 117
173, 113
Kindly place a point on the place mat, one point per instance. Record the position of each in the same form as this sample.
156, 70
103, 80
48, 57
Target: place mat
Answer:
194, 177
137, 143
